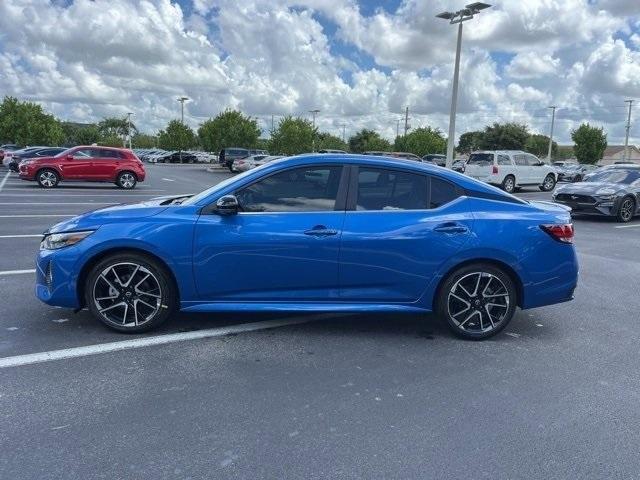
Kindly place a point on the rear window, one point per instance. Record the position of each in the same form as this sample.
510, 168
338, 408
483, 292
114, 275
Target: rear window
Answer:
480, 159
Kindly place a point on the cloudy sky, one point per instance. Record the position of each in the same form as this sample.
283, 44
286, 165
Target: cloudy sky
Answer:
360, 63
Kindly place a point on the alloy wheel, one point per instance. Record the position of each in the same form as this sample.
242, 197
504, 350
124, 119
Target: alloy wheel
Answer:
626, 210
509, 185
48, 179
127, 294
478, 302
127, 180
549, 183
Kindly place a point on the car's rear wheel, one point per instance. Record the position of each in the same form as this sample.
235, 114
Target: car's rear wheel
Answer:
130, 292
126, 180
477, 301
509, 184
626, 210
48, 178
548, 184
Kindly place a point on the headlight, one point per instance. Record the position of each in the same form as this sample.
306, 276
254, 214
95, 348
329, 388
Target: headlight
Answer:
54, 241
27, 162
603, 192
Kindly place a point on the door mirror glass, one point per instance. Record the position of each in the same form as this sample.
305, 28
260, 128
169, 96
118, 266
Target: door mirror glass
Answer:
227, 205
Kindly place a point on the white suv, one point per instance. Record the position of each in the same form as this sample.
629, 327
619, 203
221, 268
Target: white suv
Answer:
511, 169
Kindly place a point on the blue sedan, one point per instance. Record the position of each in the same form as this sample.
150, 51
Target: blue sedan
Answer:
341, 233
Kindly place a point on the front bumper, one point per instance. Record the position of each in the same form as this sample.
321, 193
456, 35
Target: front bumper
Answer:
599, 207
56, 277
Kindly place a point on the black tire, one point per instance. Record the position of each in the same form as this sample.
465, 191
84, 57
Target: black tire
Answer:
230, 167
548, 184
509, 184
47, 178
496, 287
626, 210
102, 284
126, 180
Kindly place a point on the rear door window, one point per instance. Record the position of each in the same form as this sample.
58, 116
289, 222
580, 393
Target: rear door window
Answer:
521, 160
380, 189
442, 192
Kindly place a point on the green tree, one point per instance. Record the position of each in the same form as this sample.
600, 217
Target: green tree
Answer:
292, 136
421, 141
469, 142
111, 127
589, 143
229, 129
539, 146
80, 133
143, 140
26, 123
506, 136
327, 141
368, 140
176, 136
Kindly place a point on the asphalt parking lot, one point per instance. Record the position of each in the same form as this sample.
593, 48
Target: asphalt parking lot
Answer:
326, 396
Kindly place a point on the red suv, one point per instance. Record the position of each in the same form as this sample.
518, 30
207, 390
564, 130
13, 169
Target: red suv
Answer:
87, 164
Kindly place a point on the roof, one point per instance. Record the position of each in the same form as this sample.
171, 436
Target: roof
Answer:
611, 150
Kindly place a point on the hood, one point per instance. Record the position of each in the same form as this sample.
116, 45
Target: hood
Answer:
589, 188
95, 218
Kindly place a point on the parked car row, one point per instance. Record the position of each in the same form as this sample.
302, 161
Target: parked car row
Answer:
228, 156
156, 155
84, 163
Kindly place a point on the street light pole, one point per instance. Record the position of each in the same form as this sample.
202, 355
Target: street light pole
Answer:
182, 100
313, 137
129, 127
628, 127
458, 17
553, 121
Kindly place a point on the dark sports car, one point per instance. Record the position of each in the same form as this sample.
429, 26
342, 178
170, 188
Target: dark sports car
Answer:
611, 191
574, 172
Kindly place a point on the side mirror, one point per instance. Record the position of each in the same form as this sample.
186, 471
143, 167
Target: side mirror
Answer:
227, 205
69, 157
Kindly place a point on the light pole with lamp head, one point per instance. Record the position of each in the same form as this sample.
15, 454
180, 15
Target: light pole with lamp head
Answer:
458, 17
313, 138
129, 127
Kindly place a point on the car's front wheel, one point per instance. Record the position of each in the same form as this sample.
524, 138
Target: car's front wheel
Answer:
126, 180
626, 210
130, 292
548, 184
47, 178
477, 301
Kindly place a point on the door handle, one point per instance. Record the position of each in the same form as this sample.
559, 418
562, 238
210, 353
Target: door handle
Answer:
320, 231
451, 227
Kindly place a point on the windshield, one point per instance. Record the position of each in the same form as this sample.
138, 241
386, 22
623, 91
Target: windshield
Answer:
626, 177
480, 158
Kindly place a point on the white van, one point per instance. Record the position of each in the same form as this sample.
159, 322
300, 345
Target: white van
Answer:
511, 169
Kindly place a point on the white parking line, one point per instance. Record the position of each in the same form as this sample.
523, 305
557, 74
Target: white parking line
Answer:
112, 195
4, 180
168, 180
57, 203
37, 215
17, 272
635, 225
20, 236
65, 353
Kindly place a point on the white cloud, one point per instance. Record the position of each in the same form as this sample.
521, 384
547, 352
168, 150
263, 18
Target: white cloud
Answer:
107, 57
529, 65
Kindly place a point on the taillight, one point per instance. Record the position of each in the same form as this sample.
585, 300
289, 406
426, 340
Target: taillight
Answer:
562, 233
495, 170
